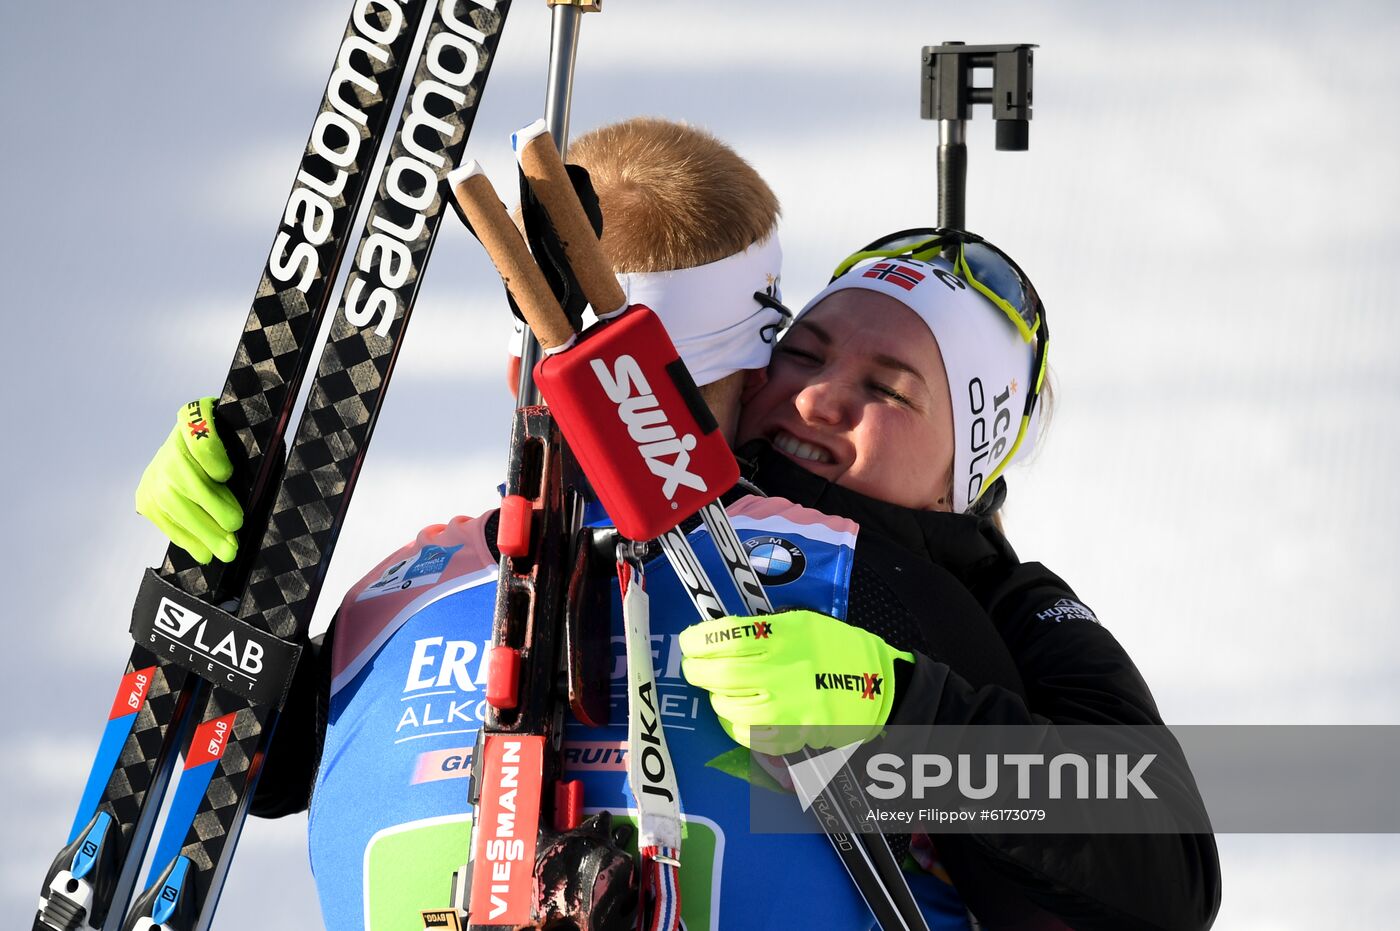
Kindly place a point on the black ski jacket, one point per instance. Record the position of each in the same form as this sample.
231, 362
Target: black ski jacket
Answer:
950, 588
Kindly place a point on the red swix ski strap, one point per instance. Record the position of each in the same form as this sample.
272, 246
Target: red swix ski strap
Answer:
637, 424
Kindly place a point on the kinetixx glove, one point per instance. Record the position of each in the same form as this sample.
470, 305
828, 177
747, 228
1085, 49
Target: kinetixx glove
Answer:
182, 490
783, 680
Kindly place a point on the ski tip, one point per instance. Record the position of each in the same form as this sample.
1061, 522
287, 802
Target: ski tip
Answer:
470, 168
523, 137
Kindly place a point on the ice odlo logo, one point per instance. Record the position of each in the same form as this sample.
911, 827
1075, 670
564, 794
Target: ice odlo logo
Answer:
647, 425
187, 628
983, 460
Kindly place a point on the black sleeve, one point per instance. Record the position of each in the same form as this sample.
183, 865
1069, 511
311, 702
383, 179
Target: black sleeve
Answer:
289, 769
915, 605
1073, 672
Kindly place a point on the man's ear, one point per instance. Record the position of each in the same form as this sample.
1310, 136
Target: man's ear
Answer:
754, 380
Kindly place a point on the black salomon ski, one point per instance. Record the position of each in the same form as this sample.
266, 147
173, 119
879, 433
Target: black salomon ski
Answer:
90, 881
253, 653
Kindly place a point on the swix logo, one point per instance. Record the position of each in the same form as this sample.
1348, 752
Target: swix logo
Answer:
647, 425
184, 626
758, 630
868, 684
653, 760
336, 138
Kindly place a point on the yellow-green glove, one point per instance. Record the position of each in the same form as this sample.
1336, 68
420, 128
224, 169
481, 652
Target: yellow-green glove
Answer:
182, 491
799, 672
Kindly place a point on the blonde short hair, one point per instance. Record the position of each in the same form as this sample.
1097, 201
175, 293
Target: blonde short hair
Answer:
672, 196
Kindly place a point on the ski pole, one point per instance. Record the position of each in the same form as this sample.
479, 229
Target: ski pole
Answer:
563, 48
531, 589
518, 747
629, 365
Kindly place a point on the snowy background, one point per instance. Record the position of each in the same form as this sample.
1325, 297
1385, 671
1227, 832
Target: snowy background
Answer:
1208, 206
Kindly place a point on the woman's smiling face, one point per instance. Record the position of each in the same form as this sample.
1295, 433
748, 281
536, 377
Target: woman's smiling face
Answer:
857, 394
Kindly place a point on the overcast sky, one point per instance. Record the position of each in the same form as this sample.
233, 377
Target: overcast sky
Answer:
1208, 207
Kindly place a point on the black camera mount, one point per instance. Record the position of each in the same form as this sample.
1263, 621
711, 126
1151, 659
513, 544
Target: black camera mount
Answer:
948, 95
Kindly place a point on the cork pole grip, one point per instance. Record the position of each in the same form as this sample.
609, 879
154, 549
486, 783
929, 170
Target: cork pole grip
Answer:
544, 169
511, 257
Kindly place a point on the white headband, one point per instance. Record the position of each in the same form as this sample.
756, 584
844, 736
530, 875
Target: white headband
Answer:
988, 363
710, 312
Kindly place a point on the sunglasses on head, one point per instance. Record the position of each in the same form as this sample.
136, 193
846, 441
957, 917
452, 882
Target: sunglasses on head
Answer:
994, 275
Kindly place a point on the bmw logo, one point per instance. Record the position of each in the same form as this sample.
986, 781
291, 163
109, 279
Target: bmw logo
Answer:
776, 560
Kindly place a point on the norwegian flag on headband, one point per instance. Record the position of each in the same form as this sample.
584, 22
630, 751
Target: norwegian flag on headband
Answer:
895, 273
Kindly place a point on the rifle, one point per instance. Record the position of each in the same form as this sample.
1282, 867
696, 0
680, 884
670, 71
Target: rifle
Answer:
520, 748
544, 557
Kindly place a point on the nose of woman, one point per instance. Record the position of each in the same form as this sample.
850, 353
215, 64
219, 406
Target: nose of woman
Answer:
827, 401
